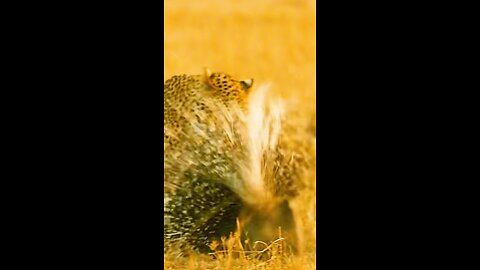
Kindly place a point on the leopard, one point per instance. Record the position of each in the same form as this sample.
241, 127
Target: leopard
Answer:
208, 164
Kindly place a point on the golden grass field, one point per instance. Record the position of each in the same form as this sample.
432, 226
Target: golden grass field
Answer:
271, 41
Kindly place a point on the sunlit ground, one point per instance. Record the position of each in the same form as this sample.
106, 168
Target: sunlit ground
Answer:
270, 41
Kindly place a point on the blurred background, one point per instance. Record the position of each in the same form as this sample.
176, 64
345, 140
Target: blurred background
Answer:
269, 40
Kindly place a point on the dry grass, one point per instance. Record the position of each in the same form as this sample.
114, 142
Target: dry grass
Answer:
231, 253
272, 41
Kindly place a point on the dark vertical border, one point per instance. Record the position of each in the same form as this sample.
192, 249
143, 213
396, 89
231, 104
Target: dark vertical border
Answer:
102, 142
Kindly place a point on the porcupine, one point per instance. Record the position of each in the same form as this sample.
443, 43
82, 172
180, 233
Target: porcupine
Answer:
229, 153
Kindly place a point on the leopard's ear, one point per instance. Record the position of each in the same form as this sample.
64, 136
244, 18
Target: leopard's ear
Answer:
247, 84
208, 73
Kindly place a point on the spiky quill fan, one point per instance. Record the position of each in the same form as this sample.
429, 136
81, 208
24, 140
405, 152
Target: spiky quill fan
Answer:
225, 159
